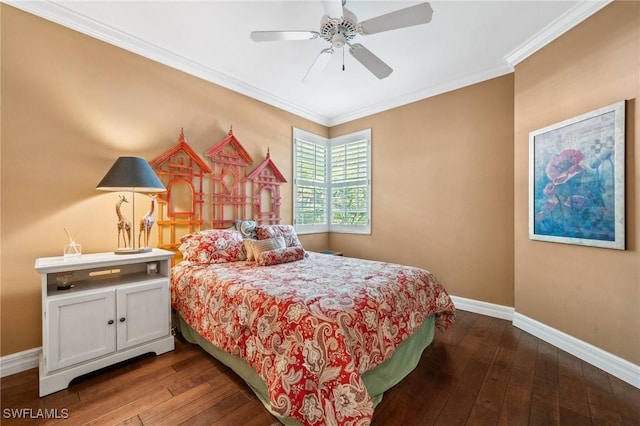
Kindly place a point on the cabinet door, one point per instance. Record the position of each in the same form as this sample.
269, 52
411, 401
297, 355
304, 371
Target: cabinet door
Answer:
80, 327
143, 312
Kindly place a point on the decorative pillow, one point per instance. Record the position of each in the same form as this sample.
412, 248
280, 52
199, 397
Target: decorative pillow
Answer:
286, 231
247, 228
213, 246
248, 248
283, 255
260, 246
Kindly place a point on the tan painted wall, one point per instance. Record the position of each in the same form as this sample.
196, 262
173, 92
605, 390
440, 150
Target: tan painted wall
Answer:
590, 293
70, 106
442, 189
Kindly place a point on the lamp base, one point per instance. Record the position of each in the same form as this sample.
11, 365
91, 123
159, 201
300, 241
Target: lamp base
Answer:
132, 250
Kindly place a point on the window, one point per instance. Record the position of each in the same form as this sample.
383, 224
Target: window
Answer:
310, 183
332, 185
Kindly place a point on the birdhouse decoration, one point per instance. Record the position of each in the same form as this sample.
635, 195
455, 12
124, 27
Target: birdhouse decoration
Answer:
229, 199
266, 180
180, 209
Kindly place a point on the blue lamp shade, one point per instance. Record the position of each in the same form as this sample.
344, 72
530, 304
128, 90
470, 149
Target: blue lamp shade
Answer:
131, 174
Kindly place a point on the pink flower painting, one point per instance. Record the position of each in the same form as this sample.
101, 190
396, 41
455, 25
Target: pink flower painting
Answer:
577, 180
564, 166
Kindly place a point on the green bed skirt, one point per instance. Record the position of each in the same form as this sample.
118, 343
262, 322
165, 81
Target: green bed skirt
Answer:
377, 381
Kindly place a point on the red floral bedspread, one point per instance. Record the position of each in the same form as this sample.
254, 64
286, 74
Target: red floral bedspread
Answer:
310, 328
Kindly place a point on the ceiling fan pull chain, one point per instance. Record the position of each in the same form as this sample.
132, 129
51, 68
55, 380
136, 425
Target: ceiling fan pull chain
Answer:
342, 59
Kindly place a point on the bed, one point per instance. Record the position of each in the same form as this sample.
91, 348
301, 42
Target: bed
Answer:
318, 338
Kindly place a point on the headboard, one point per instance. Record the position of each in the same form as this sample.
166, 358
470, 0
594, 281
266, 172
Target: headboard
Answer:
223, 191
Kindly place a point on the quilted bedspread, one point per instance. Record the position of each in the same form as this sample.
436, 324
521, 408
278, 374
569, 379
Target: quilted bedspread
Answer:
310, 328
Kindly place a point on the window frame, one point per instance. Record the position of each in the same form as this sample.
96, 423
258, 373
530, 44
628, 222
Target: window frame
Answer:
329, 144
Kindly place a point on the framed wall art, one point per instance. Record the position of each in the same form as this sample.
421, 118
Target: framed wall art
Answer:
576, 180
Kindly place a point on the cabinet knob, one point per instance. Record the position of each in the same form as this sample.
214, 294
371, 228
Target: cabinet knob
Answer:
110, 322
122, 319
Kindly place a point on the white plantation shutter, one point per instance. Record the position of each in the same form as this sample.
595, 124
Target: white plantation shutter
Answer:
332, 184
350, 189
310, 183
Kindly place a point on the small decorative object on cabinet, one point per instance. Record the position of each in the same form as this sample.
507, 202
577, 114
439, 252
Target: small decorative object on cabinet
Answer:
100, 309
146, 223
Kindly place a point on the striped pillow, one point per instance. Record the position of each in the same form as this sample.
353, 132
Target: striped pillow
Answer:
260, 246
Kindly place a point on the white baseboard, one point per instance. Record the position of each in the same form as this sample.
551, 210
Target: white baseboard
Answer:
483, 308
612, 364
20, 361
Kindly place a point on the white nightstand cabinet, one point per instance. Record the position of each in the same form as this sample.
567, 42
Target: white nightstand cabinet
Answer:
117, 308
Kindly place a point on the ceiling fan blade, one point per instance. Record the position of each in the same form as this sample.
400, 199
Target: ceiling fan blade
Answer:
413, 15
283, 35
318, 66
370, 61
333, 8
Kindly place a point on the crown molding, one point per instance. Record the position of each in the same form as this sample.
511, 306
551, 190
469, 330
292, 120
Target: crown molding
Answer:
575, 15
59, 14
421, 94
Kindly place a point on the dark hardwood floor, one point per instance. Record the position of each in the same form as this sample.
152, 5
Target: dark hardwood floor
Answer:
482, 371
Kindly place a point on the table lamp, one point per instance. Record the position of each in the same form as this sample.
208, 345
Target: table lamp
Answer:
132, 174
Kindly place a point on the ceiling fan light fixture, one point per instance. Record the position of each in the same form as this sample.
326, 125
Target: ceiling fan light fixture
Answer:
338, 41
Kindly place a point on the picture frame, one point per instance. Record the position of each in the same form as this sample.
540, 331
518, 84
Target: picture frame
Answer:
577, 180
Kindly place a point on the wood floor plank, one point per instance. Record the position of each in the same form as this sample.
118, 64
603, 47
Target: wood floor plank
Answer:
570, 417
206, 370
510, 338
487, 347
603, 406
110, 385
131, 410
85, 411
464, 351
218, 411
545, 405
246, 415
461, 401
186, 412
628, 400
416, 399
491, 396
596, 378
134, 421
480, 371
572, 389
546, 368
160, 413
516, 407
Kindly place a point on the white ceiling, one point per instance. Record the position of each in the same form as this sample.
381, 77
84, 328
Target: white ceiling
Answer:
465, 43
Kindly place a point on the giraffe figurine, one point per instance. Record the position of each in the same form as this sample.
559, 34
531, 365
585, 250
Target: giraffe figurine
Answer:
124, 226
146, 223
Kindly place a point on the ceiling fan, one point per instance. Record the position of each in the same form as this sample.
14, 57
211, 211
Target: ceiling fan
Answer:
339, 26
